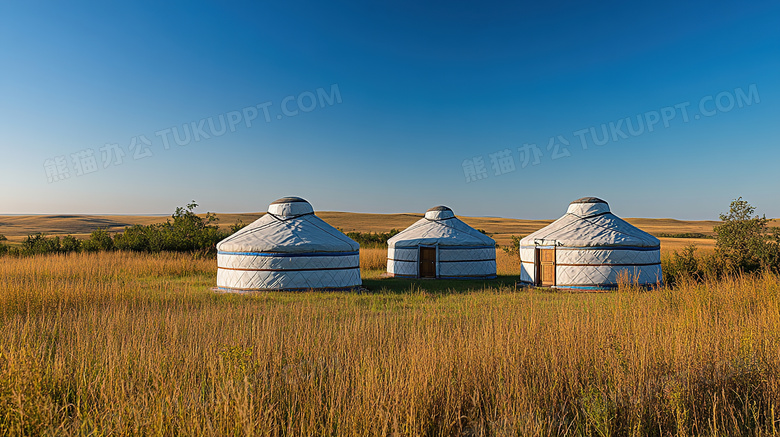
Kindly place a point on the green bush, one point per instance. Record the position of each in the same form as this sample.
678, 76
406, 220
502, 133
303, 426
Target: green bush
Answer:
99, 240
40, 244
744, 244
745, 241
70, 244
681, 266
372, 239
135, 238
186, 232
688, 265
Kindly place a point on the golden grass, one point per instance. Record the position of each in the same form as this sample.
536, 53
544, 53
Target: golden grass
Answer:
673, 226
669, 245
373, 259
506, 264
117, 343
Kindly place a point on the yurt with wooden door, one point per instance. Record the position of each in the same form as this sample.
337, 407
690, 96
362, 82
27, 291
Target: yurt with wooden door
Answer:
441, 246
289, 248
589, 248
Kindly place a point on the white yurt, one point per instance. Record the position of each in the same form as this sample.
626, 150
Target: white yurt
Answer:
589, 248
289, 248
441, 246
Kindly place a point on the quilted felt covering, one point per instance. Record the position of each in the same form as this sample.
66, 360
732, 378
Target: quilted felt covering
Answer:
593, 249
461, 251
289, 248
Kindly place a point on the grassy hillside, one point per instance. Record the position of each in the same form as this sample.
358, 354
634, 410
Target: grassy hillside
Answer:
18, 227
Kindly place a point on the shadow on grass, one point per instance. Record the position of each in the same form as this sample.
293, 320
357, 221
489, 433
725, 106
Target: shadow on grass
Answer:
438, 286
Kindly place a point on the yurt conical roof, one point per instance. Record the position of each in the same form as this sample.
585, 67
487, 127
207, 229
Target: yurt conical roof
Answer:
289, 227
440, 227
588, 222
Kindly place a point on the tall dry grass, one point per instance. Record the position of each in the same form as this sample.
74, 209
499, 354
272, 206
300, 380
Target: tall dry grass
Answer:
138, 344
507, 264
373, 259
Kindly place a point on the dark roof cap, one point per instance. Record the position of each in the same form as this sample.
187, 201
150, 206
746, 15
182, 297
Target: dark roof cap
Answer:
439, 208
589, 200
288, 200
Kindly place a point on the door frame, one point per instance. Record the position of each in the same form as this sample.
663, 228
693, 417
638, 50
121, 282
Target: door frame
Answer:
435, 261
538, 265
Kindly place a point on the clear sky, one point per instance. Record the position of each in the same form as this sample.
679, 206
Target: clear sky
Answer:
669, 109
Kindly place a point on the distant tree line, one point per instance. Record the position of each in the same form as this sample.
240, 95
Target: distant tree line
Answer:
185, 231
372, 239
685, 235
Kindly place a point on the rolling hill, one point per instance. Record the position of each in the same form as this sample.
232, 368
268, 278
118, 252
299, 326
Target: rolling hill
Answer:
16, 228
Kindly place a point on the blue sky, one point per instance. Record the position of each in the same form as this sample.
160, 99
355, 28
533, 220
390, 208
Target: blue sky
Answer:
389, 107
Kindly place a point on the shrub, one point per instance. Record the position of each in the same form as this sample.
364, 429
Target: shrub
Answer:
99, 240
745, 241
681, 266
70, 244
371, 239
187, 232
135, 238
744, 244
40, 244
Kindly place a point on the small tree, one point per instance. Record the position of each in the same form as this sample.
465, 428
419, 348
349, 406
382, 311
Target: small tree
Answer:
514, 248
746, 241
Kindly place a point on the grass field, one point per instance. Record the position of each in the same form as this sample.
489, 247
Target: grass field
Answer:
121, 343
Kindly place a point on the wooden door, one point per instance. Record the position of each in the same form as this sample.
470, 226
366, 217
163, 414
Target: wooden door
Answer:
427, 262
545, 259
